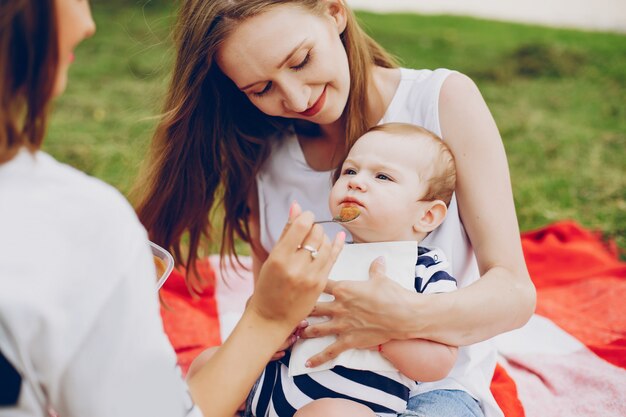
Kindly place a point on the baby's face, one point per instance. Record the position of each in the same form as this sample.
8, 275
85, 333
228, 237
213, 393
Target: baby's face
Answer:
381, 178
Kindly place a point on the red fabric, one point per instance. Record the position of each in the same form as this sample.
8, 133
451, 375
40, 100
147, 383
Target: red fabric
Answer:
581, 286
505, 392
190, 322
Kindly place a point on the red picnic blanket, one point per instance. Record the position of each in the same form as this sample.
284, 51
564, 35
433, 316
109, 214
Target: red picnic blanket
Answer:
581, 286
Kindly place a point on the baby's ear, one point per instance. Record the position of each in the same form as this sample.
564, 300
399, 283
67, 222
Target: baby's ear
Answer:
431, 214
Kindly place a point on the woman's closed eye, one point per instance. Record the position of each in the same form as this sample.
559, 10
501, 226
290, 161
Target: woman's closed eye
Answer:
305, 61
302, 63
265, 90
298, 67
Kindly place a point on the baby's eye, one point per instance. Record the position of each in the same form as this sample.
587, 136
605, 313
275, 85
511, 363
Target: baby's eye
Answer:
383, 177
349, 171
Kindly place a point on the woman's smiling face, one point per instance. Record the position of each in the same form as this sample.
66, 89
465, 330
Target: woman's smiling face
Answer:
291, 62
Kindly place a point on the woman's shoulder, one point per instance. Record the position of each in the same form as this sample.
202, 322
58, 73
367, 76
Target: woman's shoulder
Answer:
459, 87
73, 200
425, 76
69, 232
72, 186
416, 99
435, 80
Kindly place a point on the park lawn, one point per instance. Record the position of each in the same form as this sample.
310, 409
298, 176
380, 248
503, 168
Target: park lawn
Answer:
557, 96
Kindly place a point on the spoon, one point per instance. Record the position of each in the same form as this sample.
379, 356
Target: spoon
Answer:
347, 214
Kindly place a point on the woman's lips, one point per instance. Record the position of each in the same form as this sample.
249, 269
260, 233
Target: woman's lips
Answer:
315, 108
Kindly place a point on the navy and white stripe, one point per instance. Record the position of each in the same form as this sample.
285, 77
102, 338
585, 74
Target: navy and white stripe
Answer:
431, 272
385, 393
278, 395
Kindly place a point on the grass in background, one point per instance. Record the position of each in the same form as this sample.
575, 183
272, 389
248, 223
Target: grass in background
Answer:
104, 121
557, 96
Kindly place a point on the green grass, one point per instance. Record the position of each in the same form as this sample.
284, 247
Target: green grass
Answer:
557, 96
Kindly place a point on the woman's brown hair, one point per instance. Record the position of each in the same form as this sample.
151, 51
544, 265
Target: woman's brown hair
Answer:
212, 141
28, 66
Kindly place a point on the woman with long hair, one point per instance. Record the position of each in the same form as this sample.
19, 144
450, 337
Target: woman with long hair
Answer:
265, 99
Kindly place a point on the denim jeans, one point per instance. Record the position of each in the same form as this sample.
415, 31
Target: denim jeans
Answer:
443, 403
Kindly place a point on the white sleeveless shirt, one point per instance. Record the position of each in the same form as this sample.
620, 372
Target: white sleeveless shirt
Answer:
286, 177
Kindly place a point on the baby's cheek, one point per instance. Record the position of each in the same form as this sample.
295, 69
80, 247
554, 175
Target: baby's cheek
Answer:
333, 200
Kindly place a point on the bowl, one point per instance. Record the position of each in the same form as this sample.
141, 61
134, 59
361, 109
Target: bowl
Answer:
164, 263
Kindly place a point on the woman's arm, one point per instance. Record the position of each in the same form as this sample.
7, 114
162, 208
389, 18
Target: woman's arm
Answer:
259, 255
223, 383
504, 297
287, 287
501, 300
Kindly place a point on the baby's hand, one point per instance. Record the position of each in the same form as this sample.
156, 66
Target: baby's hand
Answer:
290, 341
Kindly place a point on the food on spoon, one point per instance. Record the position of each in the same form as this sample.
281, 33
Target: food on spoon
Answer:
347, 214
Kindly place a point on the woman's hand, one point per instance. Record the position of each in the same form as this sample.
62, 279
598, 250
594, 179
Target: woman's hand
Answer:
363, 314
288, 285
292, 277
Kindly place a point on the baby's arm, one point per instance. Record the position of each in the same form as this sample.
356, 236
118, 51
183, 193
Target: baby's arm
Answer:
419, 359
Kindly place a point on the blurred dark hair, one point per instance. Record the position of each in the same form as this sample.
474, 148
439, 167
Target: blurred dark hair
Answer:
28, 66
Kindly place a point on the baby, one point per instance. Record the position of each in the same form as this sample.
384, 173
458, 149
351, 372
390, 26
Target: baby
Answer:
400, 178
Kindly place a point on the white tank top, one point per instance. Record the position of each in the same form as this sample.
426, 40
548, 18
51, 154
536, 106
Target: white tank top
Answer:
286, 177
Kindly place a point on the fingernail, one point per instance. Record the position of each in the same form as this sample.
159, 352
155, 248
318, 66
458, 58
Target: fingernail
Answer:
341, 236
307, 364
292, 208
303, 324
380, 260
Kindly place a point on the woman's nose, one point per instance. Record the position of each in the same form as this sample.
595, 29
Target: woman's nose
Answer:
295, 97
90, 29
90, 25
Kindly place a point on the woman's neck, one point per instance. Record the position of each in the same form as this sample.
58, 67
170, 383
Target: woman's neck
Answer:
324, 150
380, 91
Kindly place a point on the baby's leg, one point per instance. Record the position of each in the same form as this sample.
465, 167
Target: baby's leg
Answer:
334, 407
